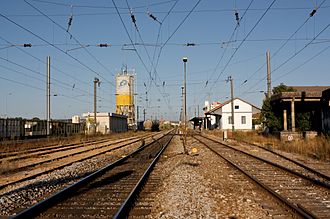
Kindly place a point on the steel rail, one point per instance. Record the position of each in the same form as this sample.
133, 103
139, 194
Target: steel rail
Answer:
60, 148
124, 208
47, 149
316, 181
70, 190
61, 166
293, 161
300, 211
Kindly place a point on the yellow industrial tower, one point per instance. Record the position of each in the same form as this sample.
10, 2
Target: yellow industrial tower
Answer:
125, 96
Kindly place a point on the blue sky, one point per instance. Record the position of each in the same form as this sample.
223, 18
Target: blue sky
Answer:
296, 59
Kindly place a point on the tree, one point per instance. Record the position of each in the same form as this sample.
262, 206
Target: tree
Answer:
270, 119
304, 121
282, 88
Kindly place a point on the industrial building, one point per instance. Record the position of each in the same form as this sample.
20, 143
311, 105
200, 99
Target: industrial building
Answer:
125, 91
105, 123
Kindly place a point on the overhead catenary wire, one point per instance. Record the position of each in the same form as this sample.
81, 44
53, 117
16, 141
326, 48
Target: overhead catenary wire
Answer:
287, 40
56, 47
176, 29
294, 55
255, 25
76, 40
42, 61
230, 39
231, 57
143, 44
303, 63
164, 12
135, 50
100, 7
58, 82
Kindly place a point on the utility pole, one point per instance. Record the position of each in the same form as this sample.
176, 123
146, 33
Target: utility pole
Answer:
48, 96
96, 81
144, 114
185, 59
269, 83
232, 102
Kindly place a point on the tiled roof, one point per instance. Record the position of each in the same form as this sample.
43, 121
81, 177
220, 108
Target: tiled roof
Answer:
228, 101
310, 92
310, 88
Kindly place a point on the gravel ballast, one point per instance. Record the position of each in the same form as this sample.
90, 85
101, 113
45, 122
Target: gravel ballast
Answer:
202, 185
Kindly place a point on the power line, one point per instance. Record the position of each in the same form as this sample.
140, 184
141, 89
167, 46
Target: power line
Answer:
255, 25
40, 60
136, 51
164, 12
39, 73
223, 53
287, 40
295, 54
304, 63
39, 37
75, 39
21, 83
230, 39
176, 29
99, 7
231, 57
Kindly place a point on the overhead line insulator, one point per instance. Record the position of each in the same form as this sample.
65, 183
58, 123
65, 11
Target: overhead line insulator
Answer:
103, 45
312, 13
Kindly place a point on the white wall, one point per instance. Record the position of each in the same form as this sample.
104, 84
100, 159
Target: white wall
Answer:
245, 109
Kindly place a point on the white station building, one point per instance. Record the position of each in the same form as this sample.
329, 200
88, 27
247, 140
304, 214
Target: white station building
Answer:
220, 117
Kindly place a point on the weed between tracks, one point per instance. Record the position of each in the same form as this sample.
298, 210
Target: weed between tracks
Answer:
317, 148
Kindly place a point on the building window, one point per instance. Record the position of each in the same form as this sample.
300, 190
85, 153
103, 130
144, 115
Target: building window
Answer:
230, 120
236, 106
243, 119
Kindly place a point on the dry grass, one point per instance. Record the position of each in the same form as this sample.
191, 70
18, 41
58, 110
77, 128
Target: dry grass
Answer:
317, 148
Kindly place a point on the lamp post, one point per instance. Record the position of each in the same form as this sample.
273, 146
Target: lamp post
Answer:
96, 81
185, 59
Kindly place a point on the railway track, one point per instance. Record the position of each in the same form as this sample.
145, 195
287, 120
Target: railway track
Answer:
302, 191
21, 154
68, 150
108, 192
58, 158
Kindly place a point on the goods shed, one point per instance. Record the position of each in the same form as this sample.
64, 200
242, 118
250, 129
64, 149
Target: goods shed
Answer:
106, 122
